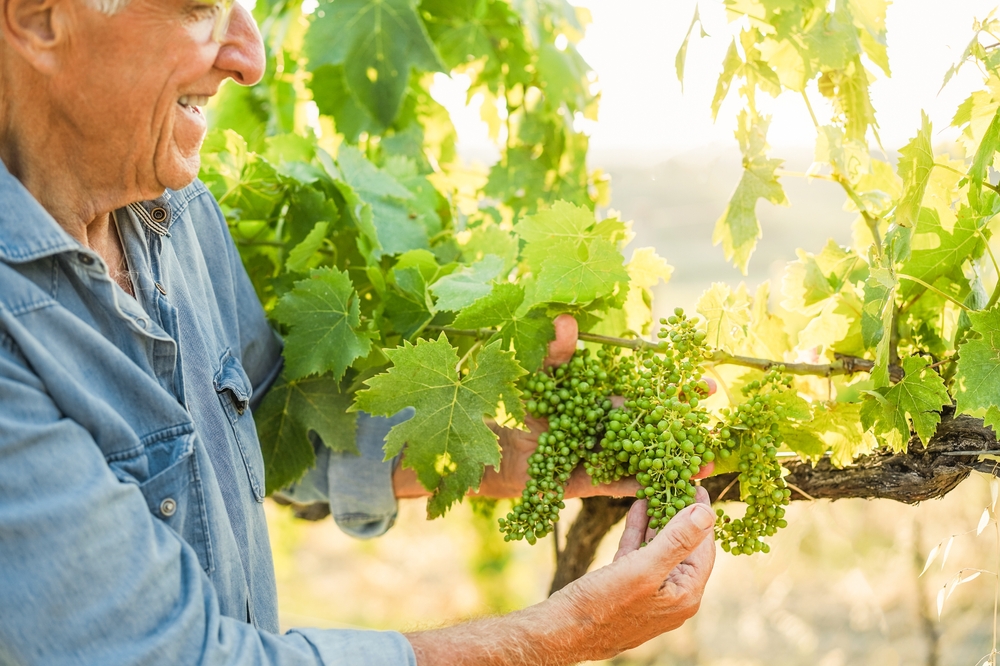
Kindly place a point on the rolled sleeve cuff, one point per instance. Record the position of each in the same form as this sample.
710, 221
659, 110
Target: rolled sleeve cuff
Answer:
356, 646
358, 487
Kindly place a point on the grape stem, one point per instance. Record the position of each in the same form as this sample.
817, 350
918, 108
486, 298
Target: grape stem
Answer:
844, 365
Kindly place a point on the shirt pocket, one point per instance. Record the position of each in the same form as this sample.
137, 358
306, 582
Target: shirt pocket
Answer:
175, 496
234, 389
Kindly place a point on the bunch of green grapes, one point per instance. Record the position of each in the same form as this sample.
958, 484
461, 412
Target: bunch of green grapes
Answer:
576, 398
750, 432
661, 434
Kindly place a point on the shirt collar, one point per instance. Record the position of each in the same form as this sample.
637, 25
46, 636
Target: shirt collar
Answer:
28, 232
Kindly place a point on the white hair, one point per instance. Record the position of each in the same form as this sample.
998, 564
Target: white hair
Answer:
109, 6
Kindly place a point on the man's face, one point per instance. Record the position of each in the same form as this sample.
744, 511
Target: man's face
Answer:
133, 84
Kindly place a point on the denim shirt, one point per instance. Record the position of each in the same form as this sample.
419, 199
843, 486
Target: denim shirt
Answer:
131, 477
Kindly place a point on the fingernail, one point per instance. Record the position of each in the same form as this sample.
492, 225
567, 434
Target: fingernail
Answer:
701, 517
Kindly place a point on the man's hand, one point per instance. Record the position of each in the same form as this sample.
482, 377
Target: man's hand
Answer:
645, 592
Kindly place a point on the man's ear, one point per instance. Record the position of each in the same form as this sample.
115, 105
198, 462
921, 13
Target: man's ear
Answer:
34, 28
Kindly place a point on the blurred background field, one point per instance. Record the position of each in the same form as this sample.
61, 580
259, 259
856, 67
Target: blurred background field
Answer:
840, 587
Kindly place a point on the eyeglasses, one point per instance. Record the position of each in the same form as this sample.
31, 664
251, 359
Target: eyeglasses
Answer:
224, 12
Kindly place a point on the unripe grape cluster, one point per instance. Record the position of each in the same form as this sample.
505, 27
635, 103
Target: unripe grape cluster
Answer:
750, 431
661, 434
576, 398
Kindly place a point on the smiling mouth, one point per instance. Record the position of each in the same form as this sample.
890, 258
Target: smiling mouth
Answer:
193, 102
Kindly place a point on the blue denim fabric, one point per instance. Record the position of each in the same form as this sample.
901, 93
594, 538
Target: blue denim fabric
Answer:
131, 478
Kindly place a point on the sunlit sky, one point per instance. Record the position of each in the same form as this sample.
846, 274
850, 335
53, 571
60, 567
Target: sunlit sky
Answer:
645, 117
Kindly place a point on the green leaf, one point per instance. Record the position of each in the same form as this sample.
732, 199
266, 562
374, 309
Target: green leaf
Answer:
978, 377
379, 204
738, 229
580, 274
920, 396
299, 256
813, 278
378, 43
936, 252
727, 316
552, 227
876, 319
447, 443
730, 66
463, 287
982, 160
334, 98
915, 164
839, 425
289, 411
681, 56
239, 180
528, 334
323, 318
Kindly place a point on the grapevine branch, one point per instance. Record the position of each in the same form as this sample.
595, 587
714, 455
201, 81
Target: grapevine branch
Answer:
844, 365
913, 476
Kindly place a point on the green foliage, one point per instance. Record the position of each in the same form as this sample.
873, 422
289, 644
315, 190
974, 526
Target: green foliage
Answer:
447, 443
387, 263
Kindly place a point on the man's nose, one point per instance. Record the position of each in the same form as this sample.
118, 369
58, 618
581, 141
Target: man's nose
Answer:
241, 54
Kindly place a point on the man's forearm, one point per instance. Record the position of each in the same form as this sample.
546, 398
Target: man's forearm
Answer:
541, 635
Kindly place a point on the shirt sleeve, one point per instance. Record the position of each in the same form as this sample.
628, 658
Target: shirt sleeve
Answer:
89, 576
358, 487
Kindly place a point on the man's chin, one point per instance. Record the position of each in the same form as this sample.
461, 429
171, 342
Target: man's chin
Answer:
179, 172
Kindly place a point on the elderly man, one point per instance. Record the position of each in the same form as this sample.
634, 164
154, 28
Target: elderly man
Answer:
131, 349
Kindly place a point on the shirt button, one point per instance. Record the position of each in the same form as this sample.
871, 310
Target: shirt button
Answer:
159, 287
142, 323
85, 259
168, 507
158, 214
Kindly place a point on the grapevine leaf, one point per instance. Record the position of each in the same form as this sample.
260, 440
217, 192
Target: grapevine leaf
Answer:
730, 66
463, 287
379, 204
562, 224
334, 98
726, 315
239, 179
289, 411
323, 317
491, 239
766, 333
920, 396
936, 252
299, 256
378, 43
876, 319
681, 56
487, 31
803, 440
529, 334
839, 425
915, 164
565, 77
580, 274
978, 376
869, 15
447, 443
812, 279
983, 159
738, 229
645, 270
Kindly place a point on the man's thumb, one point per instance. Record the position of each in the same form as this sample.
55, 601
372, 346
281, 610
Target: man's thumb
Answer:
682, 535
